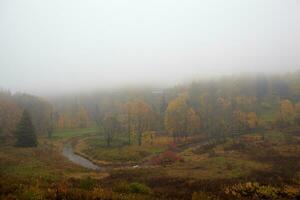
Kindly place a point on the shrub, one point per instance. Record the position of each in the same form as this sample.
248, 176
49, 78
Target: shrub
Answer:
139, 188
172, 146
100, 193
257, 191
291, 192
122, 187
31, 193
87, 183
167, 157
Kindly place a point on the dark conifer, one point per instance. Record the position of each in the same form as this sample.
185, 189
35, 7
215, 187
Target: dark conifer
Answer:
25, 133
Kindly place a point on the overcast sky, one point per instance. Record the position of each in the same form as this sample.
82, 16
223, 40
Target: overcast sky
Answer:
63, 45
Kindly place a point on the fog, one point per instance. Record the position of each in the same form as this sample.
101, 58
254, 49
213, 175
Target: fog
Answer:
51, 47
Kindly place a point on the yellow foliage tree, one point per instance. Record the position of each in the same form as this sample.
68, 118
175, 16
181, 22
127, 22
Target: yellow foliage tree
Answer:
180, 120
141, 118
286, 114
175, 116
252, 120
240, 120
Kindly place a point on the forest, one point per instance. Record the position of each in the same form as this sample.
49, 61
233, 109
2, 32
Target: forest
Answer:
232, 137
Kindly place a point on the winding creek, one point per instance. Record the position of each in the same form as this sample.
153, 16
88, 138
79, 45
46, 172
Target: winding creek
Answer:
82, 161
77, 159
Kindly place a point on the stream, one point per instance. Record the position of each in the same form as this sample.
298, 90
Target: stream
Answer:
77, 159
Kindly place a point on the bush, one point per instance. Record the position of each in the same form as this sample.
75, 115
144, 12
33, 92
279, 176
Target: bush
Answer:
139, 188
167, 157
100, 193
31, 193
257, 191
87, 183
172, 146
122, 187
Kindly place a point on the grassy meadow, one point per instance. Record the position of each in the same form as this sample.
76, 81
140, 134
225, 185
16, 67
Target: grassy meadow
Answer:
208, 170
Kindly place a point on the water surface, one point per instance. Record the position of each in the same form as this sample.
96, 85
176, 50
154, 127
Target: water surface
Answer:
69, 153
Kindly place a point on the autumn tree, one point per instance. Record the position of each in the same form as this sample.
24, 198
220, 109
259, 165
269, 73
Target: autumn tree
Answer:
176, 117
26, 136
209, 111
111, 127
252, 120
128, 111
10, 114
223, 119
141, 118
297, 113
286, 115
193, 121
240, 121
245, 121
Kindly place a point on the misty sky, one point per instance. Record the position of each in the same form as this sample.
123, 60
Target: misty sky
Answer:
63, 45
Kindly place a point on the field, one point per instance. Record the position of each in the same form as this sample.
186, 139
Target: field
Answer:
95, 148
215, 170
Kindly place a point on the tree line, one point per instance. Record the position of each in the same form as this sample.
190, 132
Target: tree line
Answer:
216, 108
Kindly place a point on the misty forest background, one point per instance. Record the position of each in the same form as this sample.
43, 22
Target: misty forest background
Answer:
217, 108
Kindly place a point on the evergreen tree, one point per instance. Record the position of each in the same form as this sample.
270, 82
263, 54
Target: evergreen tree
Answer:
25, 133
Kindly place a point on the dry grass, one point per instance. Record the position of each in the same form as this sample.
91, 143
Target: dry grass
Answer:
95, 149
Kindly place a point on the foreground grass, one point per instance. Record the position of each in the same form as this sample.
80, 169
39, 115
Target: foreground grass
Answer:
271, 167
30, 163
42, 173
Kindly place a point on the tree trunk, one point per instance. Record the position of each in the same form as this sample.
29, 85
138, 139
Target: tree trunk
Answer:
129, 133
140, 138
108, 140
174, 137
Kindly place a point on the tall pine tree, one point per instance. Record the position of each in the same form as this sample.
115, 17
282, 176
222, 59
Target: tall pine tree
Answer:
25, 133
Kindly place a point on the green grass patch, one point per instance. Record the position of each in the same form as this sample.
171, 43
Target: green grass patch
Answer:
119, 150
63, 134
